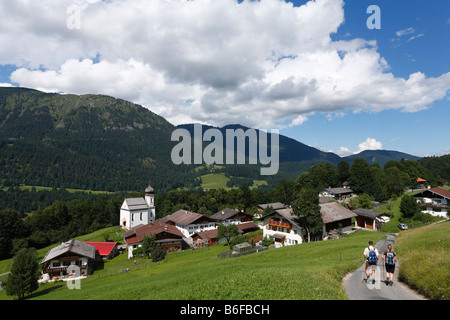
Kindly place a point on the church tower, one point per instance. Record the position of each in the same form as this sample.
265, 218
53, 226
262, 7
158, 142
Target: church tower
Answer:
137, 211
150, 199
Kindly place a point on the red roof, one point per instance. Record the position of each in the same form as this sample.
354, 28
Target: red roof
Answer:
208, 234
442, 192
102, 248
421, 180
437, 190
246, 225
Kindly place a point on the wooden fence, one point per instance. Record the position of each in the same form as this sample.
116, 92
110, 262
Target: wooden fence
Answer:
233, 254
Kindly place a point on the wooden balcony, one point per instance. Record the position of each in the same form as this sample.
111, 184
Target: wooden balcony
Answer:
433, 204
48, 269
282, 224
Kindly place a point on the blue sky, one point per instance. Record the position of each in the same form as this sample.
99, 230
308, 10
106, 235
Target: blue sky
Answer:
429, 52
314, 71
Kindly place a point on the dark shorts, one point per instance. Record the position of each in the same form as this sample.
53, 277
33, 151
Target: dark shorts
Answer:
390, 268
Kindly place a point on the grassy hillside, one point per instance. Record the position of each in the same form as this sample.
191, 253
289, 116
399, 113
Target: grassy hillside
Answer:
308, 271
214, 181
219, 181
425, 259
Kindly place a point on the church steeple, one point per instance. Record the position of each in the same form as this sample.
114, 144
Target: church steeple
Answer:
149, 189
150, 196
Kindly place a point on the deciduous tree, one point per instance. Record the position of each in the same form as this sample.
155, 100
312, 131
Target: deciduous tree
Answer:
308, 209
227, 232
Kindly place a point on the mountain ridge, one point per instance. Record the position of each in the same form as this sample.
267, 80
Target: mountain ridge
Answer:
292, 150
380, 156
98, 142
92, 142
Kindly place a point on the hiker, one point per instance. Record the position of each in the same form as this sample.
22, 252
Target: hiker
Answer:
389, 258
371, 255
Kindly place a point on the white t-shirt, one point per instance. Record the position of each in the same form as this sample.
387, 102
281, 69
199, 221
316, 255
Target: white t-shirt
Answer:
370, 248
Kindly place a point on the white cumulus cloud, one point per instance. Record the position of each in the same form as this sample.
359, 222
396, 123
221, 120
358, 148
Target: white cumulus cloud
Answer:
370, 144
258, 63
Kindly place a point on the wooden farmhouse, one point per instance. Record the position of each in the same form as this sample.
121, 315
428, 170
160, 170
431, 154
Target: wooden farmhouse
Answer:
283, 227
210, 236
189, 222
231, 216
58, 260
167, 236
274, 206
435, 201
287, 229
204, 238
370, 219
335, 217
336, 193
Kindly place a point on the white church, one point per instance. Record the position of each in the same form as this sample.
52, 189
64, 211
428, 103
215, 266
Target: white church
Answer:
136, 211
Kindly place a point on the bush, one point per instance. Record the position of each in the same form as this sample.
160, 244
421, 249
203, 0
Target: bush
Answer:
266, 241
158, 254
236, 240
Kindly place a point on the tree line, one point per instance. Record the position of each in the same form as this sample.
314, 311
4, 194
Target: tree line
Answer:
63, 220
30, 199
58, 222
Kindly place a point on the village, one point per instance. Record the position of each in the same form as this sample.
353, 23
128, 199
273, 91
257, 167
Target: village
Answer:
186, 230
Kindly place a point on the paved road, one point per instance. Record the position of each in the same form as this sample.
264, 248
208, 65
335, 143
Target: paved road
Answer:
357, 289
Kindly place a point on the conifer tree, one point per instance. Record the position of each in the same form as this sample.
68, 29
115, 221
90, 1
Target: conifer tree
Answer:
24, 275
409, 207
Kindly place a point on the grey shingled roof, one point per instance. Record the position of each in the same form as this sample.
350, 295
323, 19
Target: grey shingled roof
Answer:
338, 190
73, 246
185, 218
275, 205
224, 214
369, 213
136, 203
333, 211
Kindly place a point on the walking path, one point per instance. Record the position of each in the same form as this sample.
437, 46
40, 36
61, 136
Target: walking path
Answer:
358, 289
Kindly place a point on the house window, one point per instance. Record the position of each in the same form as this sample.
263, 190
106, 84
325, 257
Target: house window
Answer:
141, 216
56, 264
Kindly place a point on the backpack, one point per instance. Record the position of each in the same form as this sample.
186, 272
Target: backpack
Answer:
372, 256
390, 258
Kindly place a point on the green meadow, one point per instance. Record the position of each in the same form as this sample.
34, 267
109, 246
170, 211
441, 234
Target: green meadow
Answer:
71, 190
219, 181
309, 271
214, 181
425, 259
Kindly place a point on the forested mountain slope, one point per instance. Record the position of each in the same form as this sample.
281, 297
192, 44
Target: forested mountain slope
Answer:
87, 142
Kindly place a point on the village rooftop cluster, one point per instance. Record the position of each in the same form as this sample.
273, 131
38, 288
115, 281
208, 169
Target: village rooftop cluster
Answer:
184, 229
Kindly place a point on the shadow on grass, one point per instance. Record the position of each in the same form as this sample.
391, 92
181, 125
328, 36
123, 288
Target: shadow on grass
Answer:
43, 292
